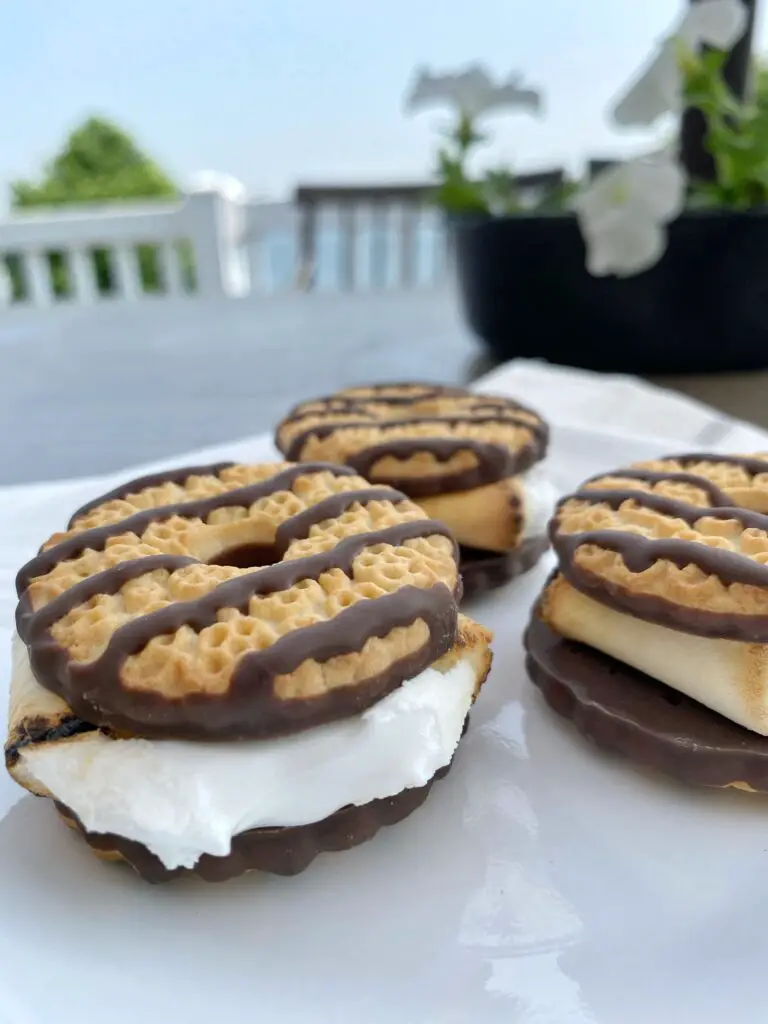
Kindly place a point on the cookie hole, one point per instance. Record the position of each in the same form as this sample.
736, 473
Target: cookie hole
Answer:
469, 555
246, 556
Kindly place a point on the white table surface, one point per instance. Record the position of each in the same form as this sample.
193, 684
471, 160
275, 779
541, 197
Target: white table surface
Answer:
155, 379
80, 396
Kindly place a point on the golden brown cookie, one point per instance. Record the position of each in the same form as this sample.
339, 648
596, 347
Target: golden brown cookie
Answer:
134, 618
460, 455
663, 570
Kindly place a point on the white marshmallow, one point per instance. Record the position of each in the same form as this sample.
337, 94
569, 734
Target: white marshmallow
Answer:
182, 799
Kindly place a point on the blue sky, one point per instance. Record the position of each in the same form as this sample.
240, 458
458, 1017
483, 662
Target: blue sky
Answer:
277, 91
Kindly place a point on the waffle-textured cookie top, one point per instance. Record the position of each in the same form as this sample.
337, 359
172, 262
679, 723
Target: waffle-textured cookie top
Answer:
142, 618
424, 439
676, 541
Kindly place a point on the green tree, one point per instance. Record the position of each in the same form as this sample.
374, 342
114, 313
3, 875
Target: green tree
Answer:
97, 163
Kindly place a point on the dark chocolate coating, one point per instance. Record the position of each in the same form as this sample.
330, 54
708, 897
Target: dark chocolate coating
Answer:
278, 851
624, 710
482, 571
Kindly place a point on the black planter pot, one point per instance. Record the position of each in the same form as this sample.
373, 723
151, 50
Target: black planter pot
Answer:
702, 308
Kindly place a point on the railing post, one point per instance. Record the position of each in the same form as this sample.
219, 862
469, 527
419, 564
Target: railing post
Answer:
379, 244
127, 272
266, 223
307, 247
39, 275
407, 255
348, 269
215, 220
6, 285
83, 276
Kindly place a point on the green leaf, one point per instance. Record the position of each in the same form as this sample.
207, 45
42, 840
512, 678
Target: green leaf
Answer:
500, 190
558, 197
461, 197
737, 134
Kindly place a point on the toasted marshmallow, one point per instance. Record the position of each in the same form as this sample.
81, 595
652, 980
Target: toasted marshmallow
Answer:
183, 799
727, 676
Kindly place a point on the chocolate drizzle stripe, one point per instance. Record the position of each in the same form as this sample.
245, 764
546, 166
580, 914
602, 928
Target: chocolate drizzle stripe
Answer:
426, 392
143, 483
428, 389
683, 618
237, 593
639, 554
690, 514
320, 431
31, 624
340, 404
494, 462
713, 492
250, 708
749, 464
299, 526
293, 448
96, 538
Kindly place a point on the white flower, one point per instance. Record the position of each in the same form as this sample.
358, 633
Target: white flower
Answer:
472, 92
659, 88
624, 211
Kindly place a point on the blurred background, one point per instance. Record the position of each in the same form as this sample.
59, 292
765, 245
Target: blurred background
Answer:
281, 93
210, 210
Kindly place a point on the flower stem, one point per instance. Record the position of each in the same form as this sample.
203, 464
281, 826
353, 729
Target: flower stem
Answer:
695, 155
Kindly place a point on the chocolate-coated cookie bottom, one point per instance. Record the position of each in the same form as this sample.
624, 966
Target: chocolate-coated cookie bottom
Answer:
482, 571
278, 851
626, 711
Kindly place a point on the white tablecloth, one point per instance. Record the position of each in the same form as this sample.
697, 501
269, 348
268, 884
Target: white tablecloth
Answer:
569, 399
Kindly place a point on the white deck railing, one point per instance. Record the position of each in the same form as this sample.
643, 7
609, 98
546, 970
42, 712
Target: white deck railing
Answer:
212, 243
